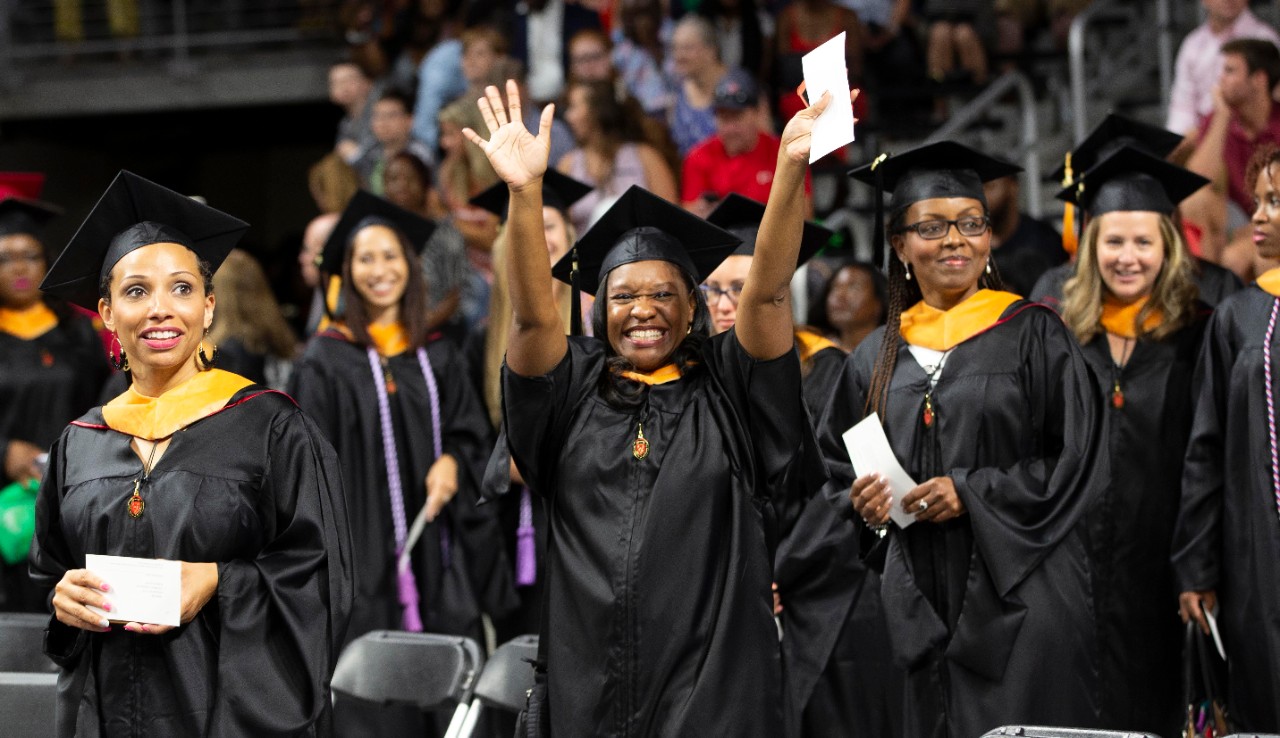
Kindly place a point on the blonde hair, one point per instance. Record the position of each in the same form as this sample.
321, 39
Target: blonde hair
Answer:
333, 183
1173, 295
248, 311
501, 317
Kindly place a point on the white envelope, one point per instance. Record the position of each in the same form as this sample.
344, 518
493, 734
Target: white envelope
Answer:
142, 590
825, 70
870, 453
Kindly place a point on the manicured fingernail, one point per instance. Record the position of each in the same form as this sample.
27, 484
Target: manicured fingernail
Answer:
104, 623
106, 606
129, 628
105, 587
144, 629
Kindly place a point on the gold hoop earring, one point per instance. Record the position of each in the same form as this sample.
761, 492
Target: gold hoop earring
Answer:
120, 362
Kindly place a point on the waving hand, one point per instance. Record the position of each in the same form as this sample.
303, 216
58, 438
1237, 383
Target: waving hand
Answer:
517, 155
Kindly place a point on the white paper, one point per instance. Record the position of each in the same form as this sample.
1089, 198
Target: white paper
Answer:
142, 590
1213, 630
870, 453
825, 70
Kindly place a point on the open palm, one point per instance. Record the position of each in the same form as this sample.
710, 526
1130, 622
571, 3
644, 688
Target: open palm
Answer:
517, 155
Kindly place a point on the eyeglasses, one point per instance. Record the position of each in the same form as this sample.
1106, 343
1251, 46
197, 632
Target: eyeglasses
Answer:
29, 258
932, 230
713, 293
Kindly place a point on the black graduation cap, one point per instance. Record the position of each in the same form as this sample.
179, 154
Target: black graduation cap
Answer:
1112, 133
132, 213
941, 169
559, 191
1131, 180
366, 209
640, 226
741, 216
21, 210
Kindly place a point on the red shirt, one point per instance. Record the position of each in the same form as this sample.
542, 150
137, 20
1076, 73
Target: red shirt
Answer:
1237, 151
709, 168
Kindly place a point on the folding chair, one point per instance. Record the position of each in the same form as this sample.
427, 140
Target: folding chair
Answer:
27, 703
21, 643
505, 681
1033, 731
428, 671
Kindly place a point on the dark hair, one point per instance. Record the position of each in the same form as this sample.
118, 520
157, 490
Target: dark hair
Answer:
413, 303
817, 316
1259, 54
1263, 158
622, 393
903, 294
405, 99
205, 269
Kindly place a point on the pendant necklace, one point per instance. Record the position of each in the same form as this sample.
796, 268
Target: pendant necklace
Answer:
640, 446
1117, 394
136, 504
386, 373
930, 415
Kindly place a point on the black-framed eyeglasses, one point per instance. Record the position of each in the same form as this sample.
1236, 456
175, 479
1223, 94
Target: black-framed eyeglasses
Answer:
932, 230
712, 293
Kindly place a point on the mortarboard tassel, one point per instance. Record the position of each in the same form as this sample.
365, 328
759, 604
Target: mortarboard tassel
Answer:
878, 255
526, 548
575, 312
1070, 242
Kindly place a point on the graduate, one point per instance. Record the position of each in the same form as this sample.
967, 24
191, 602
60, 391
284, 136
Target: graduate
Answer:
522, 513
51, 360
1226, 535
1132, 306
191, 464
411, 434
989, 406
666, 455
1116, 131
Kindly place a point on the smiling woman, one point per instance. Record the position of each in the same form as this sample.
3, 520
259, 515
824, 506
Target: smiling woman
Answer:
194, 465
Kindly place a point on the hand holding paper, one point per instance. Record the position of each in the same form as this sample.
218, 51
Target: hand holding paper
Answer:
870, 453
153, 595
825, 71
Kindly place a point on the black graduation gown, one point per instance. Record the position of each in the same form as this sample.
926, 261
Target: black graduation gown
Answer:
1131, 529
456, 563
1227, 538
660, 619
990, 613
1215, 283
253, 487
45, 383
839, 676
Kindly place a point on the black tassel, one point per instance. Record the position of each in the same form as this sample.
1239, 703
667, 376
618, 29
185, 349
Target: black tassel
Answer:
575, 310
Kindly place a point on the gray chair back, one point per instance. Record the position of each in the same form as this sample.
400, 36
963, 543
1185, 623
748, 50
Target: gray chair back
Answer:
27, 703
1033, 731
426, 670
22, 643
508, 675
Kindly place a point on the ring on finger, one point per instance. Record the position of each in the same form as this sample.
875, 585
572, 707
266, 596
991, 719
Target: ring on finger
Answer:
922, 505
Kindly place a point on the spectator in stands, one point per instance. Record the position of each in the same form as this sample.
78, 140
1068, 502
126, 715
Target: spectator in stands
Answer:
1200, 60
440, 82
638, 54
740, 156
956, 50
1244, 118
251, 334
351, 89
540, 34
392, 123
893, 65
1023, 248
591, 56
611, 155
745, 32
332, 182
852, 304
804, 26
695, 60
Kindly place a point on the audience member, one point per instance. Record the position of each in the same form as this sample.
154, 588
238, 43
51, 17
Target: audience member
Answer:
740, 156
611, 155
249, 332
351, 89
591, 56
850, 305
638, 54
745, 32
696, 67
392, 124
1023, 248
332, 182
540, 34
440, 82
804, 26
1199, 61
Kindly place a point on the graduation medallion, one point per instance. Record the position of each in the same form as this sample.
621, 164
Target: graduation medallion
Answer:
136, 505
1117, 396
928, 411
640, 446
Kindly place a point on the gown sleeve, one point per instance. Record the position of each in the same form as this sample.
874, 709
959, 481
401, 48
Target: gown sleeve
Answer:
283, 615
50, 557
1019, 513
1197, 536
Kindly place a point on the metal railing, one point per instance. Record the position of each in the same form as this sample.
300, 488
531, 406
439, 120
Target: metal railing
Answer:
1029, 133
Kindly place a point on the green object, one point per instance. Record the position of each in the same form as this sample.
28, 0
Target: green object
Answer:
17, 520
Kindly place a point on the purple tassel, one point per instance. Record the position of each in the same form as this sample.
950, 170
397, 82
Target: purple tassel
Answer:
409, 600
526, 548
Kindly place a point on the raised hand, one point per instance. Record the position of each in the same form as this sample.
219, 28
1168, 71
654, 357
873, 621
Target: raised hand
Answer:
798, 134
517, 155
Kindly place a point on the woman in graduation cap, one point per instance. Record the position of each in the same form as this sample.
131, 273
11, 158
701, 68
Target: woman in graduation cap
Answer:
196, 465
51, 360
523, 513
1132, 306
1227, 534
989, 406
666, 455
396, 403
